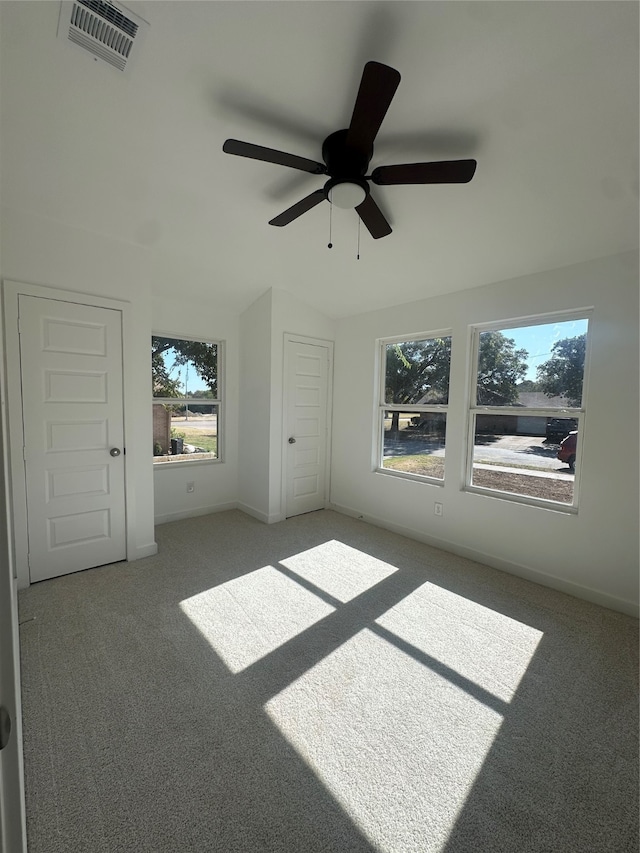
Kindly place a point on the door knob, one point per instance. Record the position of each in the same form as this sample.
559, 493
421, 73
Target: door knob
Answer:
115, 451
292, 440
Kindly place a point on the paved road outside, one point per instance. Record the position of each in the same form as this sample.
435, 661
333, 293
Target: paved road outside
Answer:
208, 423
520, 450
504, 450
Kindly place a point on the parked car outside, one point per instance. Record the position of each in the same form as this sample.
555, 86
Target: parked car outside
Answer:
567, 452
559, 428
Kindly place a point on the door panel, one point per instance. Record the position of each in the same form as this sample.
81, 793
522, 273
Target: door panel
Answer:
76, 481
307, 370
71, 371
75, 387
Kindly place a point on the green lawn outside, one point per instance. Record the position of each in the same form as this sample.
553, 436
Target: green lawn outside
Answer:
206, 441
420, 463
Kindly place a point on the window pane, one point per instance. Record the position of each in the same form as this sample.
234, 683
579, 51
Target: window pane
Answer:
183, 368
534, 366
417, 372
512, 453
185, 431
414, 442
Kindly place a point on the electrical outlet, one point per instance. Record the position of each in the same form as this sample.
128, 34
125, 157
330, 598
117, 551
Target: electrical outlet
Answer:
438, 509
191, 487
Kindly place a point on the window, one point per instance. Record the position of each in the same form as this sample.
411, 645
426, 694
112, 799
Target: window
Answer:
527, 410
414, 393
187, 404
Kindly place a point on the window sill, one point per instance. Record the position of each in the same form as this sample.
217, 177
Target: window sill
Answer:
403, 475
553, 506
169, 462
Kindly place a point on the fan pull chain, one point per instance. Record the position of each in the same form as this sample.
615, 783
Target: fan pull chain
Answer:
330, 244
358, 253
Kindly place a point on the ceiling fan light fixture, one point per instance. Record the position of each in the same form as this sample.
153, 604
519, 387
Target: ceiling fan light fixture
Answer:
346, 194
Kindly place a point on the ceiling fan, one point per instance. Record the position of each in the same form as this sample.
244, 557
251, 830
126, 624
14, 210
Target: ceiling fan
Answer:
347, 154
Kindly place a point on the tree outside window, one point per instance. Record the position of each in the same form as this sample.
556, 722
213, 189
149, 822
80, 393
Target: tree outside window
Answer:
185, 378
413, 406
563, 374
527, 400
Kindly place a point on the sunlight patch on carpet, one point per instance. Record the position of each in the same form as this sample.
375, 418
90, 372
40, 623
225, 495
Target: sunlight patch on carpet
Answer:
250, 616
338, 569
482, 645
396, 744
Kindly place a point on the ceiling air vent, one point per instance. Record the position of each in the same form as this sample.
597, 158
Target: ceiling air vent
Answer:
111, 33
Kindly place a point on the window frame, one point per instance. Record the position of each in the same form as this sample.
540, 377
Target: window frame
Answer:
382, 407
218, 401
577, 413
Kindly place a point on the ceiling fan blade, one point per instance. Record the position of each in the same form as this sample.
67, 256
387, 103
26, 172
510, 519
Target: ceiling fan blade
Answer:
299, 208
372, 217
270, 155
445, 172
377, 88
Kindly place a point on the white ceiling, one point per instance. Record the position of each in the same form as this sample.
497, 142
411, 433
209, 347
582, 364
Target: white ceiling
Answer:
544, 95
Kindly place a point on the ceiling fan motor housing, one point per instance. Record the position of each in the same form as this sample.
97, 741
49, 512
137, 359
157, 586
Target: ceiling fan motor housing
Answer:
343, 162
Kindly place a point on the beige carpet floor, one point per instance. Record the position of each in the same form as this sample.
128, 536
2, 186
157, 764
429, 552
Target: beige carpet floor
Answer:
323, 685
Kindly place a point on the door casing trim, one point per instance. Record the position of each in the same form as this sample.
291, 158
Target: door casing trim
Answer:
11, 291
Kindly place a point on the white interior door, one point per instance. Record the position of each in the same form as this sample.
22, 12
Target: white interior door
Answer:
307, 395
71, 373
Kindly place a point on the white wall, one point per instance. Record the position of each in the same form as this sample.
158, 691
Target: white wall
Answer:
255, 405
215, 483
593, 554
41, 251
13, 829
262, 329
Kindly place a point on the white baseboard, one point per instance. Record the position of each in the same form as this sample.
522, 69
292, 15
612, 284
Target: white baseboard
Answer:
253, 512
209, 510
266, 518
194, 512
143, 551
569, 587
